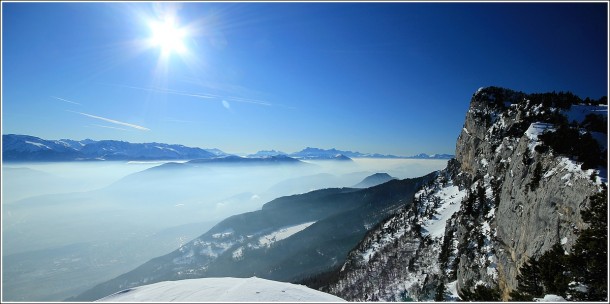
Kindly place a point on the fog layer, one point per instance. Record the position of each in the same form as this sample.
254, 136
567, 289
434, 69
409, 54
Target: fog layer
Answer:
68, 226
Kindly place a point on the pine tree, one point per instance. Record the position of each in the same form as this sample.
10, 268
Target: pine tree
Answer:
496, 187
529, 282
480, 293
589, 257
526, 157
469, 206
465, 294
537, 177
440, 292
482, 199
553, 266
484, 293
443, 256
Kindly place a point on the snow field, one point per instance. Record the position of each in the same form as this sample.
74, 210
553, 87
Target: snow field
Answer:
283, 233
40, 145
221, 290
451, 198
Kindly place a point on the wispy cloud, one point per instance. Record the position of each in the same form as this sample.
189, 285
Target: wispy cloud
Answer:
178, 120
248, 100
209, 97
217, 97
113, 121
62, 99
109, 127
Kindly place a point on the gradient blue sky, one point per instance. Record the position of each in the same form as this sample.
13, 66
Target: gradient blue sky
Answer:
392, 78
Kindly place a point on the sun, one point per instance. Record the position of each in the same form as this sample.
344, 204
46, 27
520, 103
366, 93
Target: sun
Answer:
168, 36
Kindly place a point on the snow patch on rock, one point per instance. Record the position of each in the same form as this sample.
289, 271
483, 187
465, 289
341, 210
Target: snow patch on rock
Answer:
283, 233
451, 198
550, 298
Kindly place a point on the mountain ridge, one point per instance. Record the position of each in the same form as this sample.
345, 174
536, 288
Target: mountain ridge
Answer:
374, 180
16, 147
30, 148
284, 240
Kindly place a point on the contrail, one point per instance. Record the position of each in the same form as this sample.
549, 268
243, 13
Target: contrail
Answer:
113, 121
109, 127
72, 102
196, 95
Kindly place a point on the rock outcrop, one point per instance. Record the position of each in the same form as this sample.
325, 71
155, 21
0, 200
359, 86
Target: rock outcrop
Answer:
498, 143
521, 194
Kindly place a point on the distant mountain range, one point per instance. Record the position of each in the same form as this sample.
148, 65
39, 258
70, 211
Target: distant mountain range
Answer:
31, 148
263, 153
432, 156
233, 159
317, 153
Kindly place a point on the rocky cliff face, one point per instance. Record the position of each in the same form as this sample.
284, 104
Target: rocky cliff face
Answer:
528, 220
518, 196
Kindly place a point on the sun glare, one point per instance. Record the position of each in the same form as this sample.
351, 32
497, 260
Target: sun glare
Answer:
168, 36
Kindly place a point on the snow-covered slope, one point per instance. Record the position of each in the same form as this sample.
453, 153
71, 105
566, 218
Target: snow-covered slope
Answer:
221, 290
398, 259
280, 241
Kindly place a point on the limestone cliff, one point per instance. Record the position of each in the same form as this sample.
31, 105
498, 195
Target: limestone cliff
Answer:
515, 188
498, 142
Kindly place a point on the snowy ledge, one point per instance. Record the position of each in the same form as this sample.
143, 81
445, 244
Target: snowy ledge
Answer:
221, 290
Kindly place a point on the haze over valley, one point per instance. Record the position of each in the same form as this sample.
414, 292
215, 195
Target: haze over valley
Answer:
86, 222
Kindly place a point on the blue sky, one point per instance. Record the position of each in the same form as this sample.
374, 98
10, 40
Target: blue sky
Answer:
392, 78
